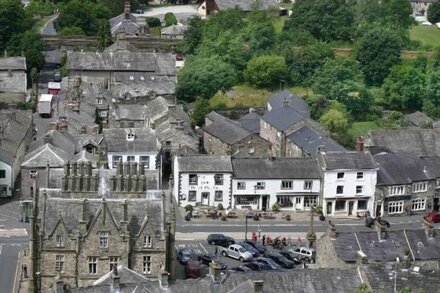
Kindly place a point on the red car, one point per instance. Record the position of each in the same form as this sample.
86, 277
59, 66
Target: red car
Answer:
192, 269
433, 217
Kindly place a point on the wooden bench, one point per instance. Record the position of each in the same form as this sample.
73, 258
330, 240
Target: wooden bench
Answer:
231, 215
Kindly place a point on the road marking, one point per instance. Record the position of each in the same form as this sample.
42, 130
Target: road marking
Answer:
13, 232
203, 247
1, 247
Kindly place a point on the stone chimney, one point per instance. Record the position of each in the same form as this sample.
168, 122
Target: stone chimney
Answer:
116, 280
127, 9
429, 229
163, 279
360, 144
258, 286
381, 231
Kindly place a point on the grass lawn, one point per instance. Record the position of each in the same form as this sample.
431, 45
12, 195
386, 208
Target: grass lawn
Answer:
278, 24
427, 35
361, 128
241, 96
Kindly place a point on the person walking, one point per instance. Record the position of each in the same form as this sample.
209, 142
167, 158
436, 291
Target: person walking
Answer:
264, 240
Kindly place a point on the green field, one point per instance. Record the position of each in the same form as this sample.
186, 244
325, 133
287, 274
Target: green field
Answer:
427, 35
361, 128
240, 96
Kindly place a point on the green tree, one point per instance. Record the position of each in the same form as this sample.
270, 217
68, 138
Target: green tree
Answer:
377, 51
170, 19
326, 20
201, 109
265, 71
398, 13
336, 121
204, 77
28, 43
192, 36
434, 12
71, 31
363, 288
260, 33
431, 104
387, 13
404, 88
154, 21
104, 35
12, 20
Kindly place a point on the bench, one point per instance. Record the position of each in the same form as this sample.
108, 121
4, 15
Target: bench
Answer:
231, 215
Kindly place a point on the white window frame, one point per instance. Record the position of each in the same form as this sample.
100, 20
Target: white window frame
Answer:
397, 190
146, 264
310, 201
59, 240
113, 260
420, 187
190, 193
308, 185
103, 239
395, 207
241, 185
360, 175
286, 184
218, 179
359, 189
93, 265
366, 205
260, 185
148, 241
340, 178
342, 189
115, 161
216, 197
59, 262
418, 204
145, 162
33, 174
193, 182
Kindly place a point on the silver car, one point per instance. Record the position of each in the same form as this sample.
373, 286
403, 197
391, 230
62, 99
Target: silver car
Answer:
238, 252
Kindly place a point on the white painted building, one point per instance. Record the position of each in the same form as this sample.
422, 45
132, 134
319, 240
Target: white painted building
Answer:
202, 180
348, 183
259, 183
138, 145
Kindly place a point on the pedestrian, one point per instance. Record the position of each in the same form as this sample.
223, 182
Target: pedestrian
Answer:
216, 250
264, 240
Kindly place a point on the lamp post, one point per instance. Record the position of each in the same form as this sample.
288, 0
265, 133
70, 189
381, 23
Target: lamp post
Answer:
311, 236
259, 231
248, 214
395, 274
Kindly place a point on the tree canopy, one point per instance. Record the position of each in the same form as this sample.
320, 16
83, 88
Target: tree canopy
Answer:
434, 12
265, 70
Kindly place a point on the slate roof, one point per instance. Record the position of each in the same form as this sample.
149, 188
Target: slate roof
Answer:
13, 82
85, 156
419, 119
46, 154
275, 168
121, 23
245, 5
13, 63
295, 102
401, 168
204, 163
251, 122
145, 140
422, 247
348, 160
420, 142
14, 125
226, 130
85, 139
129, 112
139, 88
70, 211
158, 63
174, 30
309, 140
62, 140
282, 118
433, 166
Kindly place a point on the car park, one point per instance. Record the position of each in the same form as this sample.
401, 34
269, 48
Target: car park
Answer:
260, 247
281, 260
433, 217
291, 256
220, 239
305, 253
242, 269
206, 259
184, 255
249, 248
192, 269
273, 266
257, 266
236, 251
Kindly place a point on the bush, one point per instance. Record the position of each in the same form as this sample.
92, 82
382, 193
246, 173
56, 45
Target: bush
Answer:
321, 217
256, 217
276, 207
220, 207
170, 19
189, 208
153, 21
287, 217
318, 209
265, 71
224, 218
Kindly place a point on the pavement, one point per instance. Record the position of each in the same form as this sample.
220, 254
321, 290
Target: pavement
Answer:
182, 12
49, 28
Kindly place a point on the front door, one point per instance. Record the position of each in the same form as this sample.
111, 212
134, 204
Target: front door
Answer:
264, 203
205, 198
350, 208
329, 207
298, 203
378, 210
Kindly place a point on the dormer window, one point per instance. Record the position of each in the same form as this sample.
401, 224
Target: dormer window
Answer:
148, 241
100, 101
59, 240
130, 136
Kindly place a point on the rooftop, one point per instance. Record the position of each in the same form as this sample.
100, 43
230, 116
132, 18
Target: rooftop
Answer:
282, 118
144, 140
204, 163
347, 160
14, 125
13, 63
295, 102
226, 130
245, 5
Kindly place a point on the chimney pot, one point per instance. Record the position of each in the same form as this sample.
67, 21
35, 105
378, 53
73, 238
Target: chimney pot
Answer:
360, 144
258, 286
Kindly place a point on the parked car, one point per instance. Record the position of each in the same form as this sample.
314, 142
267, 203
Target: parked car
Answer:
192, 269
260, 247
291, 256
184, 255
273, 266
236, 251
257, 266
305, 253
249, 248
220, 239
242, 269
57, 76
433, 217
206, 259
283, 261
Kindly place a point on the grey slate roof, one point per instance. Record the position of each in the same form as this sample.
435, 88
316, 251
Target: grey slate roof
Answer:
245, 5
85, 139
13, 63
282, 118
295, 102
158, 63
145, 140
433, 166
419, 119
46, 154
420, 142
62, 140
85, 156
13, 82
204, 163
401, 168
275, 168
309, 140
129, 112
251, 122
226, 130
120, 23
174, 30
14, 126
424, 248
348, 160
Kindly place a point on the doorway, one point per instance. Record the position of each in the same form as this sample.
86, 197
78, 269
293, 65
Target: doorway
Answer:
329, 208
378, 210
264, 203
350, 208
205, 198
436, 204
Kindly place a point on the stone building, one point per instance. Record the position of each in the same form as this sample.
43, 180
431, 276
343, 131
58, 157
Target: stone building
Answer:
13, 80
128, 24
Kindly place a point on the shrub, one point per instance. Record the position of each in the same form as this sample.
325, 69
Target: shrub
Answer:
318, 209
276, 207
170, 19
153, 21
287, 217
256, 217
220, 207
189, 208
